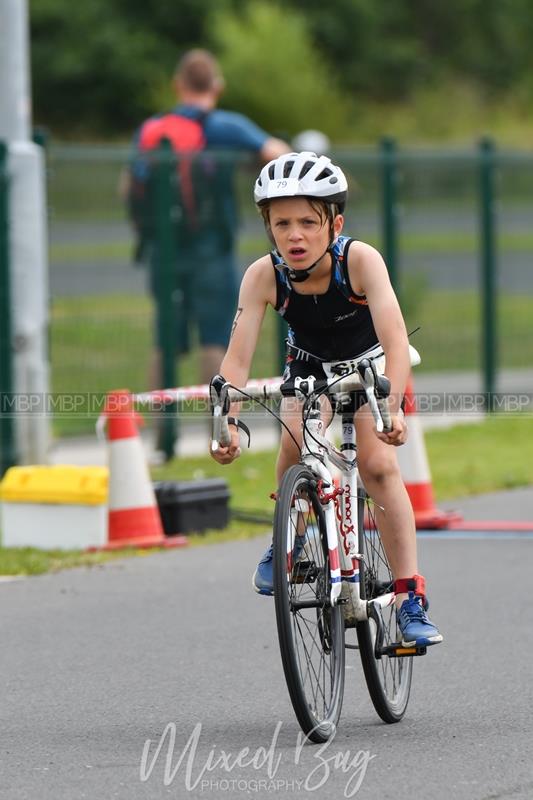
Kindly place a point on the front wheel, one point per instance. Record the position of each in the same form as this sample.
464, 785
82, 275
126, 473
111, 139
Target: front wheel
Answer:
310, 630
388, 679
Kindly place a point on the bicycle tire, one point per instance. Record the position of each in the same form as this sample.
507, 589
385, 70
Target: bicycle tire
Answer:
388, 679
311, 640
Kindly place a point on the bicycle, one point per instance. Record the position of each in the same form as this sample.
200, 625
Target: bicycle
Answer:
330, 567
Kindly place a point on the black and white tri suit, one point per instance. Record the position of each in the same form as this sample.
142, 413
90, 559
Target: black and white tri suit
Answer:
327, 327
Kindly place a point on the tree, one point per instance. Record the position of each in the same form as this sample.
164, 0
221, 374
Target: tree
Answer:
275, 73
98, 68
101, 67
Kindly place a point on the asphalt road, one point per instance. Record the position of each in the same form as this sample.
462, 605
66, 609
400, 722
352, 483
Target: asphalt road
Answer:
98, 662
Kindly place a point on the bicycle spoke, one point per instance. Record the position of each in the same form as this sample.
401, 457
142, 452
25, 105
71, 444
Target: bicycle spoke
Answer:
310, 665
323, 662
314, 689
311, 637
313, 641
388, 679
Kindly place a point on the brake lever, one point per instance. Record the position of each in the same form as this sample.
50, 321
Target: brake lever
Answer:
219, 400
377, 390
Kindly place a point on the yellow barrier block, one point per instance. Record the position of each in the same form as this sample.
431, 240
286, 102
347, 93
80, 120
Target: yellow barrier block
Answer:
57, 507
62, 484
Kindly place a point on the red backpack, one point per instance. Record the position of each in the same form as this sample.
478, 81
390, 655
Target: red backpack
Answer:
202, 199
186, 136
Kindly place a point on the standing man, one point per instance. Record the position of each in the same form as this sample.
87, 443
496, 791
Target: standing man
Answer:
205, 291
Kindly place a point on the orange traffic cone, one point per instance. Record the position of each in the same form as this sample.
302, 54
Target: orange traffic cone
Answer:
414, 467
134, 519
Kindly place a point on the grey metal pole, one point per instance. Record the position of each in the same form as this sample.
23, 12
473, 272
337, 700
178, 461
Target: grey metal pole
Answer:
28, 266
15, 106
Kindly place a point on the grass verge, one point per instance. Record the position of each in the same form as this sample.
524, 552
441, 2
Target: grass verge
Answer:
487, 456
31, 561
473, 459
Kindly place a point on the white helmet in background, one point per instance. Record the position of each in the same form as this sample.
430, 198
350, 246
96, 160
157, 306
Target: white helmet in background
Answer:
302, 175
312, 141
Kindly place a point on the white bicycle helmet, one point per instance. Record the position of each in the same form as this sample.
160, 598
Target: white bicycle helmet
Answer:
301, 175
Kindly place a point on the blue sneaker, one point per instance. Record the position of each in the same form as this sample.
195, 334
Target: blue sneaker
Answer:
263, 578
416, 628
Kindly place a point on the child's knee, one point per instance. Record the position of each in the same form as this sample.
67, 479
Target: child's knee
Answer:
378, 467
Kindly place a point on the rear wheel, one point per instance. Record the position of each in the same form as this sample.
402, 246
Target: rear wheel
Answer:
310, 631
388, 679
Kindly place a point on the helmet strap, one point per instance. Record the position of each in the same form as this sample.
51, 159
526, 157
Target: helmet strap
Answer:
300, 275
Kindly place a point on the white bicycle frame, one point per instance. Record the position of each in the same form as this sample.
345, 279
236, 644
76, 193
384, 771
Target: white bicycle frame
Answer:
343, 536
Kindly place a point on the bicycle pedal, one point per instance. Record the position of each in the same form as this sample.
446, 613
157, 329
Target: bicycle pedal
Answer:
304, 572
399, 651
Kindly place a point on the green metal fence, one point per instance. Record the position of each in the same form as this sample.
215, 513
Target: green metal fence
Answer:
454, 226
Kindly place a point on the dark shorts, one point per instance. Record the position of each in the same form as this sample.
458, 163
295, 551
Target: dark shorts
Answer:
204, 297
296, 368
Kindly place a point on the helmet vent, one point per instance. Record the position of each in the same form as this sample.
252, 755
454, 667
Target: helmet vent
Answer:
287, 168
306, 167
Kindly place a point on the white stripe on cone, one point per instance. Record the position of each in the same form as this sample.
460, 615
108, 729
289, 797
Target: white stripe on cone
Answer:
129, 485
412, 456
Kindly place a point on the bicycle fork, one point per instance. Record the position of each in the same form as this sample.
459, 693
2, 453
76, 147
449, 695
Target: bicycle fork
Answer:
340, 512
351, 532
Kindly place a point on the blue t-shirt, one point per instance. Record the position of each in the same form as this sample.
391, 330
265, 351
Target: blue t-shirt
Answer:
227, 130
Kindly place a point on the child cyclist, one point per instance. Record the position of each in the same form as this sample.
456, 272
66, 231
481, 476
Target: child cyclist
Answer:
337, 298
